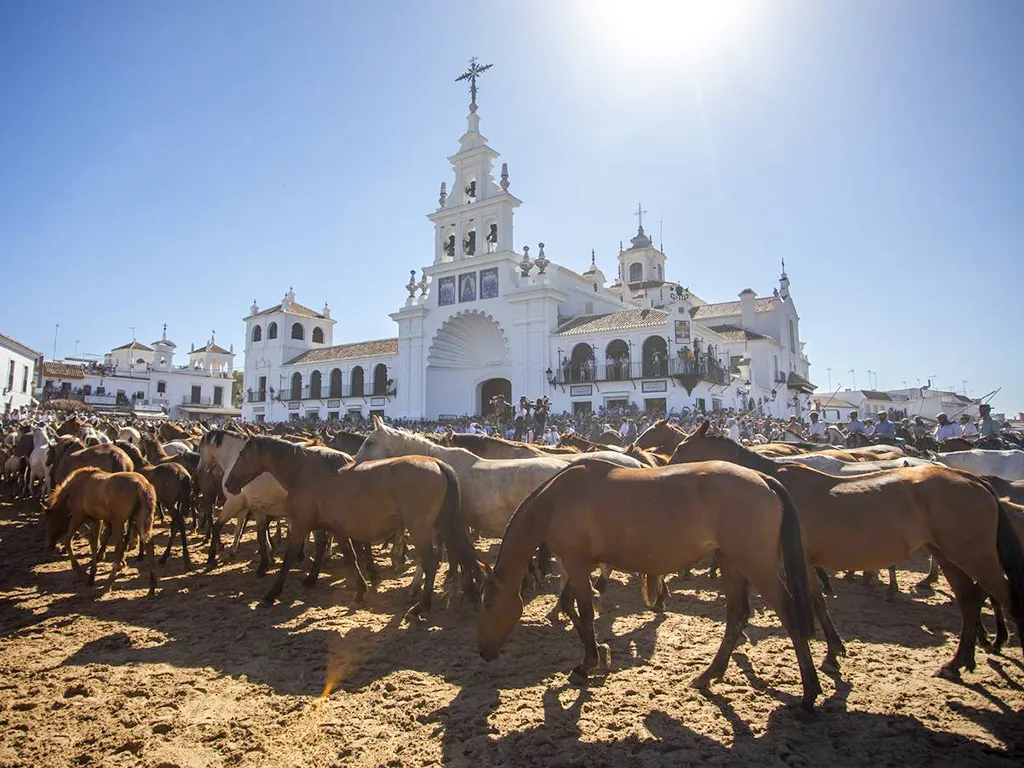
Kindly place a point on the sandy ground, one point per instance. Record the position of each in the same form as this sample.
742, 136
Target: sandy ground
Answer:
202, 676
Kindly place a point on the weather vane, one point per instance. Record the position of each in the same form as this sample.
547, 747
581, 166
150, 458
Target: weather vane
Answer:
471, 74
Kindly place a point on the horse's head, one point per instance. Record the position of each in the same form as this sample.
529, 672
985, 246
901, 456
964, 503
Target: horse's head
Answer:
56, 516
500, 609
654, 435
382, 443
247, 467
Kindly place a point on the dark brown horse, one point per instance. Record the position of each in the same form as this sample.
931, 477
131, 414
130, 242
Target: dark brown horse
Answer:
867, 522
109, 458
117, 499
367, 502
589, 513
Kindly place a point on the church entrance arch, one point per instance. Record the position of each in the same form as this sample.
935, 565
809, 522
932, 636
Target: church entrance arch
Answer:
489, 390
469, 350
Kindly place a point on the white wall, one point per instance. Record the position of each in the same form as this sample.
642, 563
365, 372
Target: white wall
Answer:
17, 392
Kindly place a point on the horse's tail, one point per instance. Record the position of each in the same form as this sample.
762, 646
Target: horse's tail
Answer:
145, 509
1011, 557
794, 562
451, 527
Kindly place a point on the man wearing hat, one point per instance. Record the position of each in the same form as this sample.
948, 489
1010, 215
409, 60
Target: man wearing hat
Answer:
989, 427
817, 428
945, 430
885, 430
968, 428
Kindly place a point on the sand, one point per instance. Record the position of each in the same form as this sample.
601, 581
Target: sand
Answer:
203, 676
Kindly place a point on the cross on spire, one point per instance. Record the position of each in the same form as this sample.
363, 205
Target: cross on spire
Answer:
640, 216
471, 74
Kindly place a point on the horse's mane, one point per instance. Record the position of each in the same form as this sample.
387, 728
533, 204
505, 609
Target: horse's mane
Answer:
280, 448
56, 496
744, 456
138, 460
216, 436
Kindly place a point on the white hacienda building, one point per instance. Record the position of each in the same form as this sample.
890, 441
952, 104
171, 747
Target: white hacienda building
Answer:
18, 368
485, 319
145, 380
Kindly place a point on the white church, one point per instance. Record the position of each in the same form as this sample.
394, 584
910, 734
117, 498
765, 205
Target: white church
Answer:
486, 318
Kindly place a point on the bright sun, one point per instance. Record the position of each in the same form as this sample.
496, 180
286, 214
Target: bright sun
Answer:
663, 32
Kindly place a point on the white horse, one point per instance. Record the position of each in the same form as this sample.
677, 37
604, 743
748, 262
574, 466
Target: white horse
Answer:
177, 447
491, 488
263, 497
834, 466
130, 435
38, 469
1008, 465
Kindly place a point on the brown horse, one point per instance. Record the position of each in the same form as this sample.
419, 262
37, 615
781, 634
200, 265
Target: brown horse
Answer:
115, 498
108, 457
589, 513
366, 502
582, 445
173, 486
487, 447
867, 522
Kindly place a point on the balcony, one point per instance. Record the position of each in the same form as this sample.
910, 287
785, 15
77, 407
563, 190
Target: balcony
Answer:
702, 370
257, 397
189, 400
329, 393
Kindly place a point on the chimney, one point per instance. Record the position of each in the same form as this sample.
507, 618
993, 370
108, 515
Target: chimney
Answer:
747, 297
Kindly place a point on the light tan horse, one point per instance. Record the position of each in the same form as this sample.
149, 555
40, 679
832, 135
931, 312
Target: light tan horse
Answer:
491, 488
589, 514
367, 502
868, 522
488, 447
115, 498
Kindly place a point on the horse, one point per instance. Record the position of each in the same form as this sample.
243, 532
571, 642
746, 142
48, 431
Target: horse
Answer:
491, 488
662, 435
688, 513
367, 502
582, 445
1008, 465
488, 447
344, 441
173, 486
868, 522
115, 498
108, 457
264, 497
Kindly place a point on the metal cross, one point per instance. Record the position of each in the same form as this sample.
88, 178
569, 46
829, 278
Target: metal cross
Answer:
640, 214
471, 74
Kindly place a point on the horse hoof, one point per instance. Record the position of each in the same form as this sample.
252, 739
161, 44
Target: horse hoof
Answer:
268, 599
949, 672
309, 581
163, 560
604, 656
830, 665
578, 676
702, 681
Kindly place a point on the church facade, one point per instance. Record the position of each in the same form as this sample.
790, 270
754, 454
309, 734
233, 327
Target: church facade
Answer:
487, 318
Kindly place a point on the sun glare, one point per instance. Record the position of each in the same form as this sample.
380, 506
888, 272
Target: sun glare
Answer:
669, 31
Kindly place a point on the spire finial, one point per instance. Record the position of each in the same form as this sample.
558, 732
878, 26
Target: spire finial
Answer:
164, 337
640, 216
783, 266
593, 258
471, 74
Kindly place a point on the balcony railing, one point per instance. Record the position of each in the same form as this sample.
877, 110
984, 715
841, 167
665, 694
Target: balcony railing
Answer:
189, 400
705, 370
257, 397
334, 393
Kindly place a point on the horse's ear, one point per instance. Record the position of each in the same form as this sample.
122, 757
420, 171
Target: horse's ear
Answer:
378, 422
702, 429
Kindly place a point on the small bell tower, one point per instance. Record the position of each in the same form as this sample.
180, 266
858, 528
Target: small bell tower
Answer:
783, 283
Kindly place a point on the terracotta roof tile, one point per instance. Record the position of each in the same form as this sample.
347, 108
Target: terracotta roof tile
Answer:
295, 309
58, 370
734, 333
730, 308
872, 394
613, 321
796, 381
378, 348
134, 345
214, 348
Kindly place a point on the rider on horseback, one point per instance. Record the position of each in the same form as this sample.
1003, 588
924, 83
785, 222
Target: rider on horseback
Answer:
885, 430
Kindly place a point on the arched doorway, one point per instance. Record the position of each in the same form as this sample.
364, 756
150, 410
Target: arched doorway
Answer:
380, 379
314, 385
296, 392
616, 360
336, 383
358, 387
488, 391
655, 357
581, 363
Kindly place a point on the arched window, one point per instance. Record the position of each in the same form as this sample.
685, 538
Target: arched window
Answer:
581, 363
314, 385
616, 361
335, 383
298, 332
296, 386
657, 271
257, 333
380, 379
636, 272
318, 335
357, 381
655, 362
272, 331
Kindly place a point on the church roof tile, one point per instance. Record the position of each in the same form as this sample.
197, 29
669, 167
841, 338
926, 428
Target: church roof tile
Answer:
58, 370
211, 347
613, 321
730, 308
376, 348
295, 309
134, 345
733, 333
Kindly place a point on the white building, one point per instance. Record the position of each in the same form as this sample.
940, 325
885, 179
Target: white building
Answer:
487, 319
144, 379
18, 368
898, 403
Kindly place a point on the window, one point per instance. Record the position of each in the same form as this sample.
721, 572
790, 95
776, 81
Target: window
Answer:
196, 395
314, 385
10, 376
358, 387
716, 404
702, 406
332, 415
24, 378
218, 395
272, 331
380, 379
655, 406
257, 333
657, 270
313, 415
636, 272
318, 335
260, 418
298, 332
792, 335
582, 407
293, 416
161, 387
296, 386
335, 390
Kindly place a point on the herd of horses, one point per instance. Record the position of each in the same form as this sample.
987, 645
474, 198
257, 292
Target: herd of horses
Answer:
775, 518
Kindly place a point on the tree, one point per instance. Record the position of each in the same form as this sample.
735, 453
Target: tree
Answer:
236, 389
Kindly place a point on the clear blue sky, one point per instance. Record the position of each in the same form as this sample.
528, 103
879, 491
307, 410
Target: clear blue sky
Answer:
169, 162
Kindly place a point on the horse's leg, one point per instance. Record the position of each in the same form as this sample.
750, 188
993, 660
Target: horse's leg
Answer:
931, 577
263, 545
713, 570
182, 513
737, 612
152, 568
765, 580
825, 582
73, 527
425, 551
560, 603
215, 530
836, 646
120, 543
170, 538
296, 537
969, 596
894, 585
94, 541
361, 585
1002, 634
369, 567
593, 655
398, 548
321, 539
